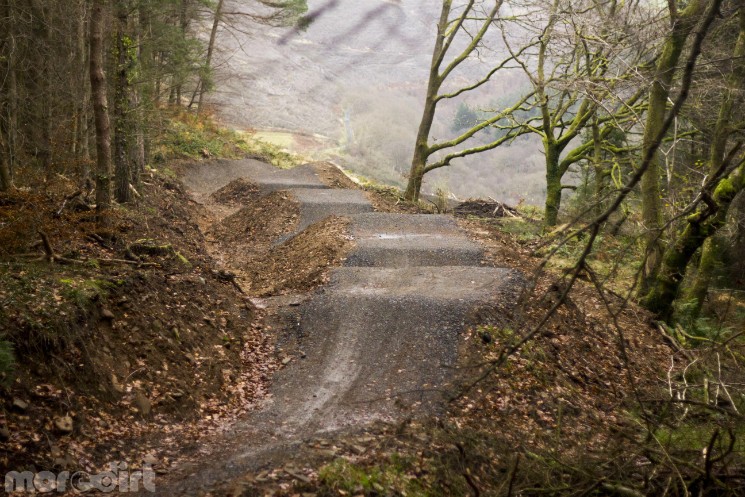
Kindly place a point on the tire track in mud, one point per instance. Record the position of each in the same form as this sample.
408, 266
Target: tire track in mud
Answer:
377, 343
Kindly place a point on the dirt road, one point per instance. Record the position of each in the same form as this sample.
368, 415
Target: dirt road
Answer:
377, 343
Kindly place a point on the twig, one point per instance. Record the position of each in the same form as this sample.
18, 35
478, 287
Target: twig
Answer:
513, 475
673, 342
66, 200
620, 490
466, 474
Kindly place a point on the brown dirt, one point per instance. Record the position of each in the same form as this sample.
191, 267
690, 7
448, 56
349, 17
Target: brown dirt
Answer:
255, 227
331, 176
106, 342
244, 243
301, 263
237, 192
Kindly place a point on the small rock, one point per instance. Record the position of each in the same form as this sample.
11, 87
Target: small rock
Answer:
286, 361
63, 424
303, 355
297, 475
150, 459
358, 449
118, 387
107, 314
328, 452
20, 405
143, 403
4, 433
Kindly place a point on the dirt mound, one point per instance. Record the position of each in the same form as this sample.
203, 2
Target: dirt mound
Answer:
332, 176
302, 262
238, 192
118, 341
259, 224
484, 208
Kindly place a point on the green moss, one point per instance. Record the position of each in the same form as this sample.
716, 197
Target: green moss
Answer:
725, 189
695, 437
392, 477
84, 292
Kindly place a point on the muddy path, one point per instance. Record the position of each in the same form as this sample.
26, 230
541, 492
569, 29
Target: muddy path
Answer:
377, 343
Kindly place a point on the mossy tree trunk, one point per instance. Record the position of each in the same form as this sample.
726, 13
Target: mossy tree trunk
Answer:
651, 192
711, 250
421, 146
711, 253
553, 184
447, 30
698, 228
701, 226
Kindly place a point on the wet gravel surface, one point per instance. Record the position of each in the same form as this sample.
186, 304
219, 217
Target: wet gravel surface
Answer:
378, 342
407, 240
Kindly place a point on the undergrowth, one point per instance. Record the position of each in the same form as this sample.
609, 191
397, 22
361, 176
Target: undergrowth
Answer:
187, 135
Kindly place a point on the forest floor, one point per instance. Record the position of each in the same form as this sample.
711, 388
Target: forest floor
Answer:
156, 341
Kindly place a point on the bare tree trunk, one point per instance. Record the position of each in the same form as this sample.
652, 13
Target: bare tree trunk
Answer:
137, 104
122, 128
12, 135
42, 82
421, 146
101, 114
6, 41
80, 145
5, 180
202, 87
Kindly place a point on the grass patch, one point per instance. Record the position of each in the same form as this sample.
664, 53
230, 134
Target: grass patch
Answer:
187, 135
43, 308
83, 293
394, 476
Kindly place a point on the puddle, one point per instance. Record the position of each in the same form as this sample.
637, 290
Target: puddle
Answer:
387, 236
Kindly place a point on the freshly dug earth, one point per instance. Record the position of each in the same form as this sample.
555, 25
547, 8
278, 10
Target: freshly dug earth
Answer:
255, 227
236, 193
331, 175
142, 356
302, 262
245, 244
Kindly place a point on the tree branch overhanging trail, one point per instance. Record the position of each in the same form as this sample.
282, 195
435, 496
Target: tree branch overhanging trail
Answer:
447, 32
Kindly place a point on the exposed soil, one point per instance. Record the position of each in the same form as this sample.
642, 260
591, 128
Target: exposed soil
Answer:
245, 243
237, 192
332, 176
376, 342
301, 263
148, 345
254, 227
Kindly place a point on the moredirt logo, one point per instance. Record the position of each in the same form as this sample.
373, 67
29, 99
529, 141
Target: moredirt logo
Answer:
117, 479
